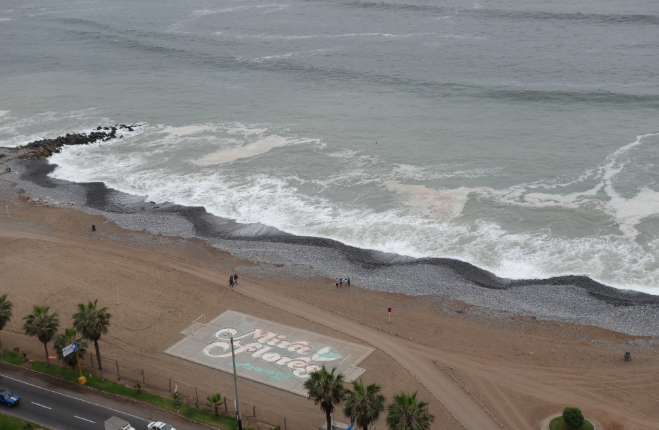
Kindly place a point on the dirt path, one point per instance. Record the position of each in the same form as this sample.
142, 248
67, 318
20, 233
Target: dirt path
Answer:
511, 388
416, 359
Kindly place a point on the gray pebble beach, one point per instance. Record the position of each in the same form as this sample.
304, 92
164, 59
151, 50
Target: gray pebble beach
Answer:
568, 299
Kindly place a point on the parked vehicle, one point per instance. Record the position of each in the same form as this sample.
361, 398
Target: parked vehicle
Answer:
157, 425
114, 423
9, 399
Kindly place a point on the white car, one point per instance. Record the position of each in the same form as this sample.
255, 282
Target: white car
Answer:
157, 425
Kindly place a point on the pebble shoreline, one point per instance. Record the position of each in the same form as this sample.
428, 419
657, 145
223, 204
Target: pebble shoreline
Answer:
568, 299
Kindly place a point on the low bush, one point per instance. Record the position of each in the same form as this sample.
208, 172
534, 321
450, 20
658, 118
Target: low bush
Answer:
573, 417
559, 424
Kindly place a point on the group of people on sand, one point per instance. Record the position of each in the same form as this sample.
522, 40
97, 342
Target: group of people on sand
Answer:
233, 280
341, 281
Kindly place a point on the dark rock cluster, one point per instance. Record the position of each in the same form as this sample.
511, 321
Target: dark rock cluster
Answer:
47, 147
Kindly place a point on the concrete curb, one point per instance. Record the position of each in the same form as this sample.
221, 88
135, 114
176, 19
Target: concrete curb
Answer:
546, 421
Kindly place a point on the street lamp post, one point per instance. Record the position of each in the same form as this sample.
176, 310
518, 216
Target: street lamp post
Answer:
235, 382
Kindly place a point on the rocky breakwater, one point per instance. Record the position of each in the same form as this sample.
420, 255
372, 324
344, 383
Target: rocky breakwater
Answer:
40, 149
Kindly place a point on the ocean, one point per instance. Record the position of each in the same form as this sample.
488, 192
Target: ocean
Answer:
521, 137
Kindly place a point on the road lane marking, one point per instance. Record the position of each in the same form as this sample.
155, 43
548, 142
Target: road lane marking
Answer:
40, 405
75, 398
85, 419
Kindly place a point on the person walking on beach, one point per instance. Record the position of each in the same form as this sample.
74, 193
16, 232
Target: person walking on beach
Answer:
341, 282
337, 282
235, 279
231, 281
348, 281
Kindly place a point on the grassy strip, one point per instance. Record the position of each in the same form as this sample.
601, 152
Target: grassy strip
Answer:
558, 424
11, 423
205, 417
11, 357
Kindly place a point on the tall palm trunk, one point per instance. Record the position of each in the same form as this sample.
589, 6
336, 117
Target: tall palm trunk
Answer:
98, 358
45, 346
329, 419
1, 353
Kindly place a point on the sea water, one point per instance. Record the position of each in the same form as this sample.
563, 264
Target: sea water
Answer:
522, 137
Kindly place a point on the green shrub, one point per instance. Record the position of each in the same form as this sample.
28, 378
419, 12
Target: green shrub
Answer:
558, 424
573, 417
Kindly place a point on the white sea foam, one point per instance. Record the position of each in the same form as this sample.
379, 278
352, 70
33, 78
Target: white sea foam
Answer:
349, 178
188, 129
463, 36
204, 12
440, 204
292, 54
348, 153
321, 36
628, 212
259, 147
47, 124
3, 113
275, 57
425, 173
274, 202
245, 130
427, 222
176, 27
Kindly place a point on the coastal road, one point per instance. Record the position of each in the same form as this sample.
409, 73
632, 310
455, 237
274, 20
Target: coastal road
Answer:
60, 405
60, 411
416, 359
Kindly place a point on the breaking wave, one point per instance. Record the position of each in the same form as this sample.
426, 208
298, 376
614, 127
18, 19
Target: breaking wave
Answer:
197, 165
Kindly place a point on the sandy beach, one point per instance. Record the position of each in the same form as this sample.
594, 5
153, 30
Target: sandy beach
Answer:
521, 362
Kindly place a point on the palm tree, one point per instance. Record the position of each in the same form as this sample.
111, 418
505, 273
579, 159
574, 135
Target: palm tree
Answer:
65, 339
214, 403
92, 322
42, 325
326, 389
408, 413
5, 313
364, 404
